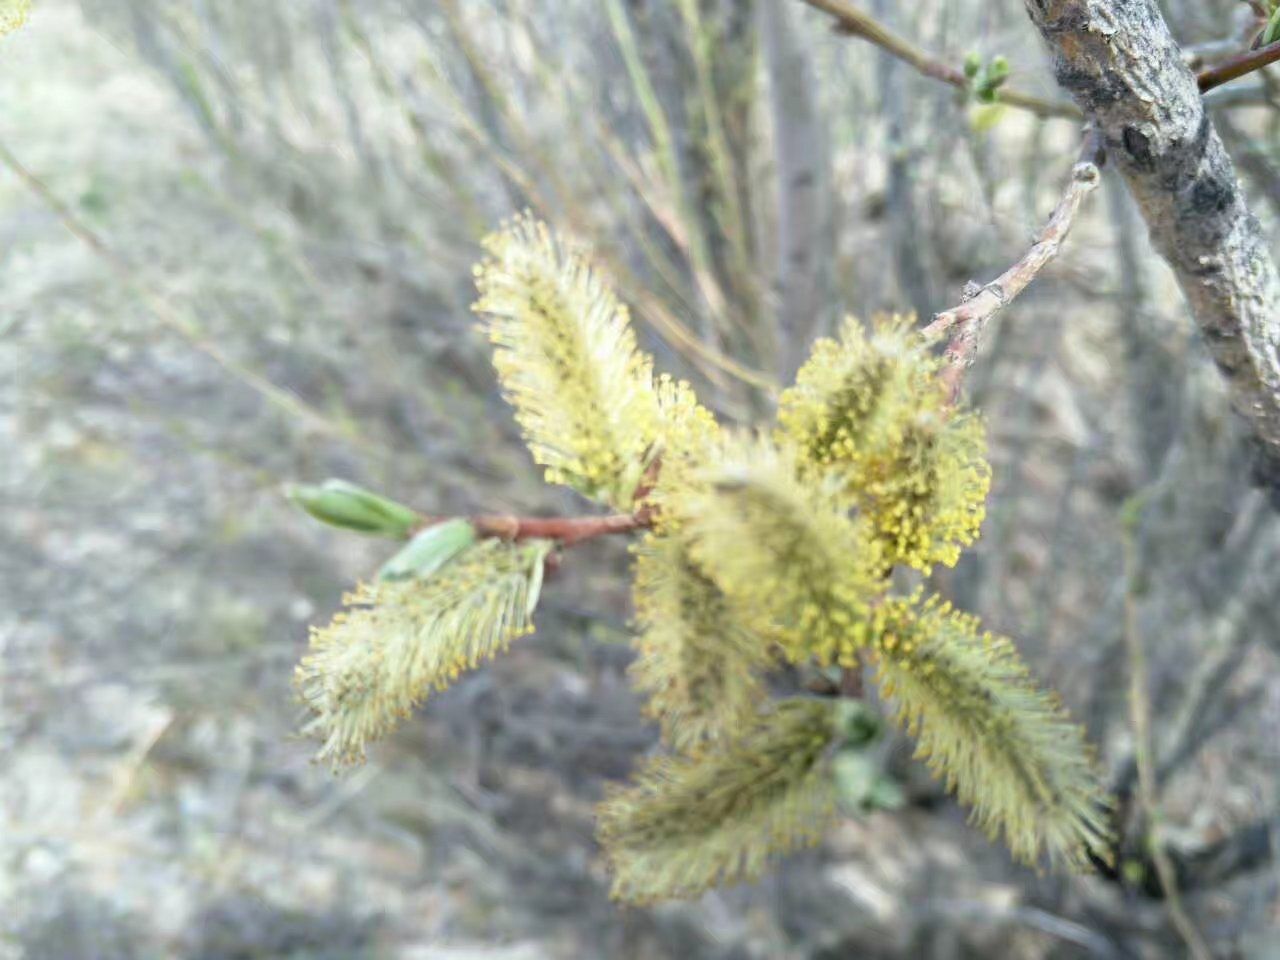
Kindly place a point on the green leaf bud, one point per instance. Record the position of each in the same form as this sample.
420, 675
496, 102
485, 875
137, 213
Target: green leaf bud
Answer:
341, 504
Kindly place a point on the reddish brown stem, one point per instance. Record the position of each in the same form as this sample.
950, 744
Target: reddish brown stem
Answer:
1238, 66
566, 530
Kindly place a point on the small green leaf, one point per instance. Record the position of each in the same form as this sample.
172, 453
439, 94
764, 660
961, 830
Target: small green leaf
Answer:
857, 724
886, 795
990, 79
345, 505
1272, 33
855, 774
429, 550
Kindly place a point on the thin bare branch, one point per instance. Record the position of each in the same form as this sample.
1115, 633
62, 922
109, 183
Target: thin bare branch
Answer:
849, 19
857, 23
567, 530
964, 323
279, 397
1144, 748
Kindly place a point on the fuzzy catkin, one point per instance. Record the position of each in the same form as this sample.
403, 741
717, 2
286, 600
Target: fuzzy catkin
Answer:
779, 542
870, 406
567, 360
698, 662
397, 641
717, 816
1008, 750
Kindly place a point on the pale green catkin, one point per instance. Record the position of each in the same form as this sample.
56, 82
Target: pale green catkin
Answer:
716, 816
396, 641
1007, 749
780, 544
698, 662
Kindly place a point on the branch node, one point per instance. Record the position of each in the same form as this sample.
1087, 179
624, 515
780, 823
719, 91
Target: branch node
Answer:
1086, 173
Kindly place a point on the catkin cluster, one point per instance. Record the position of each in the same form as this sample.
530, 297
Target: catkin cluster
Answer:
765, 549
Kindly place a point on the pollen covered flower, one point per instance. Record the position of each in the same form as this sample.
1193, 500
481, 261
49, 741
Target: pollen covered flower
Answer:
716, 816
1007, 750
688, 436
686, 429
396, 641
871, 407
926, 495
568, 363
853, 393
780, 543
698, 662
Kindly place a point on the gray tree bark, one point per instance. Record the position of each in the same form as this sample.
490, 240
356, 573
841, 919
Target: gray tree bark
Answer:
1122, 66
900, 192
804, 281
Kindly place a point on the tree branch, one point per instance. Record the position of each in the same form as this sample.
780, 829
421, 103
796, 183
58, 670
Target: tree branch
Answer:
567, 530
1237, 66
964, 322
849, 19
856, 23
1122, 66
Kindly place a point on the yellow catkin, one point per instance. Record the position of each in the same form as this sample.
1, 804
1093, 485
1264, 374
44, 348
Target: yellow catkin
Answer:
717, 815
698, 662
871, 407
781, 545
567, 360
688, 436
1007, 750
